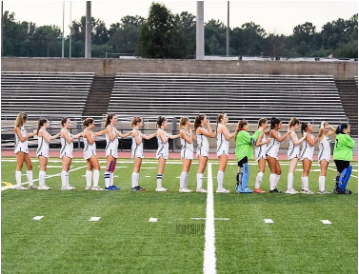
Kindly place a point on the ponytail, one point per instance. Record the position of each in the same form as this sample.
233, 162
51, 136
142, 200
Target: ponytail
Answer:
87, 122
135, 120
20, 119
160, 121
304, 127
293, 121
183, 121
240, 125
64, 121
198, 120
261, 122
40, 123
108, 119
340, 128
274, 121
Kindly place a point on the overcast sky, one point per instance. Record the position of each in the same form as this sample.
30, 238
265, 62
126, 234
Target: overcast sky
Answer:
274, 16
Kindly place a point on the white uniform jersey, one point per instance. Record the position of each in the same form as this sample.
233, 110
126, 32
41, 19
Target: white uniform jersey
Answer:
261, 151
42, 147
163, 148
273, 147
187, 148
324, 149
66, 148
203, 145
112, 147
293, 150
222, 144
89, 149
137, 150
307, 150
21, 146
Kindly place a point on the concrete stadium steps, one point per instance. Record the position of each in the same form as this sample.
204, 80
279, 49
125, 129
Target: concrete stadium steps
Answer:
99, 96
311, 98
44, 93
348, 92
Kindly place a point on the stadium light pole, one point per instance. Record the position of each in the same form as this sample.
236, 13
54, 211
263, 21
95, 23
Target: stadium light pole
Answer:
88, 30
63, 29
227, 42
200, 31
70, 42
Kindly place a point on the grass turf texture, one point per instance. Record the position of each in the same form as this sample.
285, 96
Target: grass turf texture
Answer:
123, 241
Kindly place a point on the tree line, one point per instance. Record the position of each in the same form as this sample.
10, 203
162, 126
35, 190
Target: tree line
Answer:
167, 35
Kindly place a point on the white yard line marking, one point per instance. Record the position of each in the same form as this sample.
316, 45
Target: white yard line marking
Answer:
216, 219
268, 221
94, 219
37, 218
326, 222
153, 220
209, 262
350, 175
50, 176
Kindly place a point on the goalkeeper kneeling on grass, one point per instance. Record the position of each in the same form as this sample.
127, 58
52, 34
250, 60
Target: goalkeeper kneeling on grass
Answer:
244, 152
342, 156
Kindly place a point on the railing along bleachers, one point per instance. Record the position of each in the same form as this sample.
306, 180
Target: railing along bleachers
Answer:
45, 93
310, 98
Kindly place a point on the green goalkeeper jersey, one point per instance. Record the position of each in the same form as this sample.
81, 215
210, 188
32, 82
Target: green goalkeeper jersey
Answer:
343, 148
244, 143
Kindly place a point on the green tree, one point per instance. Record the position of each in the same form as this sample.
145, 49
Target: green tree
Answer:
47, 41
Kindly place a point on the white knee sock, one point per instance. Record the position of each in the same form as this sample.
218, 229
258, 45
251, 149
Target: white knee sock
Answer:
199, 180
259, 179
63, 178
220, 177
18, 177
96, 177
42, 175
88, 178
135, 177
290, 181
305, 183
29, 177
107, 177
272, 178
183, 178
321, 183
159, 180
277, 177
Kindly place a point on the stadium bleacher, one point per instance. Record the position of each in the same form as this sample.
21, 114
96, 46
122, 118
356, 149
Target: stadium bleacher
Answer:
45, 93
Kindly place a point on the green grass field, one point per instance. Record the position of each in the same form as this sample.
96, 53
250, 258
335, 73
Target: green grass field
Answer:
124, 241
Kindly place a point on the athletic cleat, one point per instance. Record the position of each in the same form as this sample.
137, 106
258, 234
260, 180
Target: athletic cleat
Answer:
258, 190
21, 188
115, 187
32, 187
97, 188
222, 190
67, 188
185, 190
246, 190
306, 191
324, 192
110, 188
275, 191
339, 191
88, 188
137, 188
201, 190
72, 187
291, 191
161, 189
44, 187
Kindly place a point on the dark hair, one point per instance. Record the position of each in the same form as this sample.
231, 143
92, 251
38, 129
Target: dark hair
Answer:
135, 120
87, 122
198, 120
64, 121
160, 121
40, 123
261, 122
304, 127
294, 121
240, 125
20, 119
108, 118
183, 121
274, 121
340, 128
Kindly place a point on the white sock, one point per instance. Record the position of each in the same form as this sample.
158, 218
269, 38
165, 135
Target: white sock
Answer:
107, 176
183, 178
67, 178
96, 177
199, 180
29, 177
259, 179
159, 180
272, 178
185, 184
42, 175
63, 178
321, 183
277, 177
135, 177
305, 183
290, 181
111, 178
220, 177
88, 178
18, 177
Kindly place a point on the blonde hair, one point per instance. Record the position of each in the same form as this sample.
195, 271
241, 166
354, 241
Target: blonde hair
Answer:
135, 120
183, 121
294, 121
87, 122
20, 119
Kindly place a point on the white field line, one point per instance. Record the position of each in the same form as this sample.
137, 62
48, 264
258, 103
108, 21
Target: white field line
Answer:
209, 262
336, 170
50, 176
